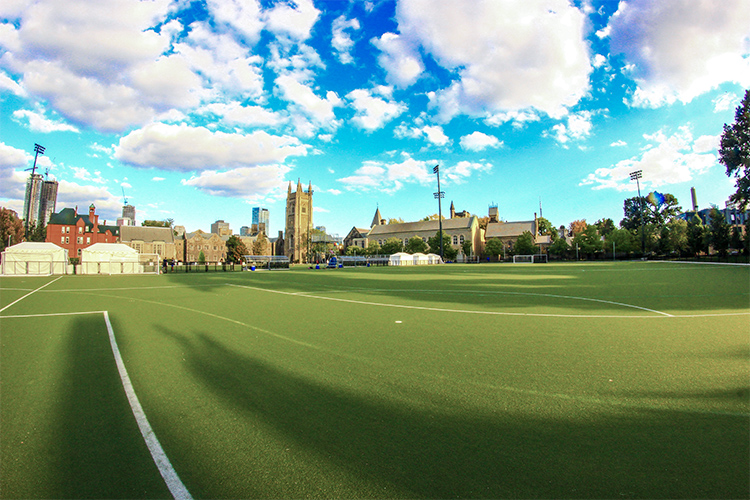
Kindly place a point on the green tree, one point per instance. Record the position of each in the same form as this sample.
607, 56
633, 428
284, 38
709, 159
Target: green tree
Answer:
434, 243
696, 236
373, 248
624, 241
157, 223
391, 246
236, 249
493, 247
718, 232
260, 245
354, 250
416, 245
735, 240
544, 227
11, 228
559, 247
605, 226
588, 240
657, 214
677, 235
466, 247
37, 232
746, 238
201, 258
396, 220
734, 151
525, 244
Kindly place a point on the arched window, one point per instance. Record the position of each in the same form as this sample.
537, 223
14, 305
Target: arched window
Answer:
461, 239
455, 239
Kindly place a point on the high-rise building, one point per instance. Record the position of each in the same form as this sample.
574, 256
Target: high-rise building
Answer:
32, 199
260, 220
128, 212
47, 201
299, 223
244, 231
221, 228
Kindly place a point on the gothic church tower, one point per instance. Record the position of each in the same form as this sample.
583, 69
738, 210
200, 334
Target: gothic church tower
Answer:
299, 223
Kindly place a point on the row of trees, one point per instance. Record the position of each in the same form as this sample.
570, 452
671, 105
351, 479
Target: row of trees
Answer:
413, 245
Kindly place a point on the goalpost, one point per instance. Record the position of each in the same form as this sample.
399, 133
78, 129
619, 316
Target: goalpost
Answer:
530, 259
269, 262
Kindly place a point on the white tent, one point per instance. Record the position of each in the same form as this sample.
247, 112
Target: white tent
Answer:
420, 259
110, 258
433, 258
400, 259
35, 258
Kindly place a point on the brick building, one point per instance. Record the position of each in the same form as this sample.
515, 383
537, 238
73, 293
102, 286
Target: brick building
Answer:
74, 231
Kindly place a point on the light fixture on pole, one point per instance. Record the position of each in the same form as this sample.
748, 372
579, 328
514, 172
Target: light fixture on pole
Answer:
634, 176
439, 195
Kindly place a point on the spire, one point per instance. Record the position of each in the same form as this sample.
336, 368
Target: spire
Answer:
289, 191
376, 220
453, 210
299, 185
309, 188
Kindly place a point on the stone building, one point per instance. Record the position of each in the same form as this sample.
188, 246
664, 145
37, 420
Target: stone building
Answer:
508, 232
147, 239
213, 246
299, 223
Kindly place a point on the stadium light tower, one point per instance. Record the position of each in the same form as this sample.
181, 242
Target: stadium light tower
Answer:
439, 195
634, 176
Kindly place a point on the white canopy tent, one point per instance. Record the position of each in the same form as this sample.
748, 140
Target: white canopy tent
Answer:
41, 258
110, 258
420, 259
433, 258
400, 259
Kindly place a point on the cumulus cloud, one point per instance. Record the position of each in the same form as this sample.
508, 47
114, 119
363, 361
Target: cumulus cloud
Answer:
372, 111
243, 182
459, 173
389, 177
680, 49
433, 133
477, 141
38, 122
725, 102
578, 127
318, 112
666, 160
293, 21
12, 178
399, 59
341, 40
185, 148
509, 55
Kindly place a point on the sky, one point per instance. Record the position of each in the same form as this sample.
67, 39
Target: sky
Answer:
199, 111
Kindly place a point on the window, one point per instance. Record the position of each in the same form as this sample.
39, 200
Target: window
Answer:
461, 239
88, 240
455, 239
80, 229
67, 239
62, 239
80, 240
79, 252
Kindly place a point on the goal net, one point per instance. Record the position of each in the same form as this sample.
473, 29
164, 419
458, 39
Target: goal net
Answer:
530, 259
269, 262
148, 263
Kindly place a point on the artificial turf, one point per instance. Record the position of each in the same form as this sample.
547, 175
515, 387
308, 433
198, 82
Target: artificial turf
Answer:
625, 380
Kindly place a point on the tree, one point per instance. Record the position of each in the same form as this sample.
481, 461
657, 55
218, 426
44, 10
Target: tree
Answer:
559, 247
416, 244
11, 228
391, 246
605, 226
397, 220
201, 258
434, 243
653, 213
677, 235
735, 241
260, 245
466, 247
718, 232
623, 240
577, 226
37, 232
157, 223
373, 248
696, 236
734, 151
236, 249
525, 244
493, 247
433, 217
544, 227
353, 250
588, 240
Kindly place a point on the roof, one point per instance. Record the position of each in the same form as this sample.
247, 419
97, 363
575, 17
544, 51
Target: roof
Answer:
508, 229
421, 226
146, 234
68, 217
376, 218
34, 247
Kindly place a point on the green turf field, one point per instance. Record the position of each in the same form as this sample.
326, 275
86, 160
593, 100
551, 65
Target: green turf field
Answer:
626, 380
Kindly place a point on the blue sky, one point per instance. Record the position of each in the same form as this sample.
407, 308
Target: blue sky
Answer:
200, 111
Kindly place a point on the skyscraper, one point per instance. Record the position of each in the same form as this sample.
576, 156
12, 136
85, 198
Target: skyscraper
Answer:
260, 220
47, 201
32, 199
128, 211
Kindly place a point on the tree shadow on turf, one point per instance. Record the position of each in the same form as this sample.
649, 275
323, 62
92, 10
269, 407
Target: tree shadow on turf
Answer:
416, 448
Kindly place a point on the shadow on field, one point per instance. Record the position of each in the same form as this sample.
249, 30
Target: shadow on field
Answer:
465, 453
97, 450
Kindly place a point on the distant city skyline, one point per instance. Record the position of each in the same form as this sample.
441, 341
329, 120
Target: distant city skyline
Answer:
200, 111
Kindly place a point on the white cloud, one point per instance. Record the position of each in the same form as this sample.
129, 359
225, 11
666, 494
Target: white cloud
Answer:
318, 111
496, 49
373, 112
184, 148
725, 102
669, 160
433, 133
11, 85
477, 141
243, 182
578, 127
464, 169
680, 49
242, 15
71, 194
157, 179
399, 59
341, 40
236, 114
295, 22
12, 178
618, 143
37, 122
389, 177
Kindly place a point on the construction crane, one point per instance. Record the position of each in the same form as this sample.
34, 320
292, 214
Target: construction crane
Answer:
125, 200
39, 150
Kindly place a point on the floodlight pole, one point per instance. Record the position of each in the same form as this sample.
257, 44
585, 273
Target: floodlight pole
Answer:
634, 176
38, 150
439, 195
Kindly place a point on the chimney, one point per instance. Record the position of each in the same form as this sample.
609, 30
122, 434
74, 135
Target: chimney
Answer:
695, 199
93, 218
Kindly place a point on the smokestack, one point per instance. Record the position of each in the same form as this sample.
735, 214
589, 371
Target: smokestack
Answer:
695, 199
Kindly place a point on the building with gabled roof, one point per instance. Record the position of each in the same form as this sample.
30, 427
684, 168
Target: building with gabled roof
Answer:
74, 231
149, 239
508, 233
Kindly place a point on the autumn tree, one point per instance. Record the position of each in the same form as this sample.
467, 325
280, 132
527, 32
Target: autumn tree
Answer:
236, 249
577, 226
11, 228
260, 245
734, 152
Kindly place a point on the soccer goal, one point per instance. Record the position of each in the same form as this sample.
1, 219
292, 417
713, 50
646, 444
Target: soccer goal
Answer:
148, 263
530, 259
269, 262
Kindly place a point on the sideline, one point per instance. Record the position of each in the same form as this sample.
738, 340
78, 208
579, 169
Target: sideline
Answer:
174, 484
31, 292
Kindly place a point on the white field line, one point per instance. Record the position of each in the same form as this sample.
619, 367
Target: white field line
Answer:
702, 263
31, 292
175, 485
496, 313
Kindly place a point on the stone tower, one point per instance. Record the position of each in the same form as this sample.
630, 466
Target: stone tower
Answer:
299, 223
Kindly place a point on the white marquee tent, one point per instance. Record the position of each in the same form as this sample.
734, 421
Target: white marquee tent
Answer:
420, 259
401, 259
34, 258
110, 258
433, 258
